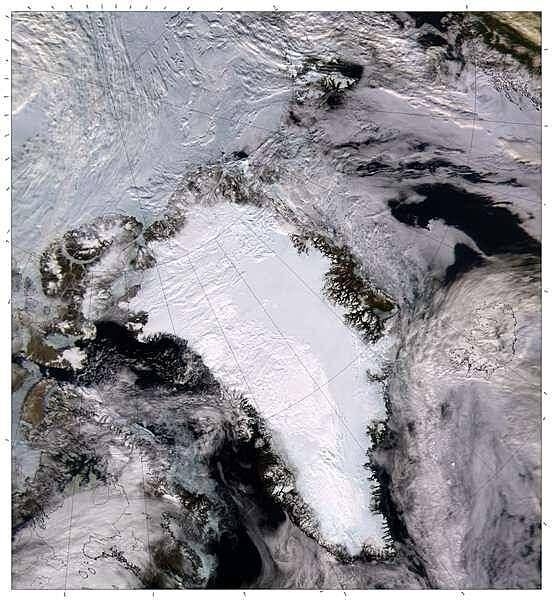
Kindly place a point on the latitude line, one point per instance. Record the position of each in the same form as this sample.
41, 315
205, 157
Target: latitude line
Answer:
472, 133
56, 212
65, 288
250, 125
70, 527
136, 59
454, 118
319, 387
498, 471
284, 338
259, 237
475, 495
69, 534
514, 453
209, 114
418, 231
124, 271
107, 87
491, 477
445, 234
395, 188
129, 457
166, 302
361, 354
59, 210
432, 261
140, 204
252, 396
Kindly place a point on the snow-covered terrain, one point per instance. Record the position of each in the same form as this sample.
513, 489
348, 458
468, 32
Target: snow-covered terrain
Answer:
276, 297
255, 311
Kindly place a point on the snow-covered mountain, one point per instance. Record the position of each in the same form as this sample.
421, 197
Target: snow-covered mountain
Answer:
276, 296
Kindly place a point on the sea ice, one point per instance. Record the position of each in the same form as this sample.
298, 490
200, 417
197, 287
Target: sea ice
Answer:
255, 311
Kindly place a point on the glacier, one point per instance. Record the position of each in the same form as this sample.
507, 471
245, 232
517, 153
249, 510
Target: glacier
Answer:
174, 341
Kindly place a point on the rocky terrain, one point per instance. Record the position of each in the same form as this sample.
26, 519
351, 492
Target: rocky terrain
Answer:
276, 300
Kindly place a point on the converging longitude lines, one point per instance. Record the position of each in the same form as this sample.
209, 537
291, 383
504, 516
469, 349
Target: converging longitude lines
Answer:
223, 333
293, 351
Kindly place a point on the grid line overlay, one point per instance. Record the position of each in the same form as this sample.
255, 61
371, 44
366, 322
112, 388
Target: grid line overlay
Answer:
107, 90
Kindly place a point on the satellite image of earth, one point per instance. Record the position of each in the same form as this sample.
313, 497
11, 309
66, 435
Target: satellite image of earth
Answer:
276, 300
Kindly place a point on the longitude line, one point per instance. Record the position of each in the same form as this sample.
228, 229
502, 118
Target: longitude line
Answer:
297, 357
223, 334
392, 112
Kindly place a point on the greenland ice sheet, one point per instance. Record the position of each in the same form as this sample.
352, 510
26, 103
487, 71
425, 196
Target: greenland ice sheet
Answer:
114, 113
234, 286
